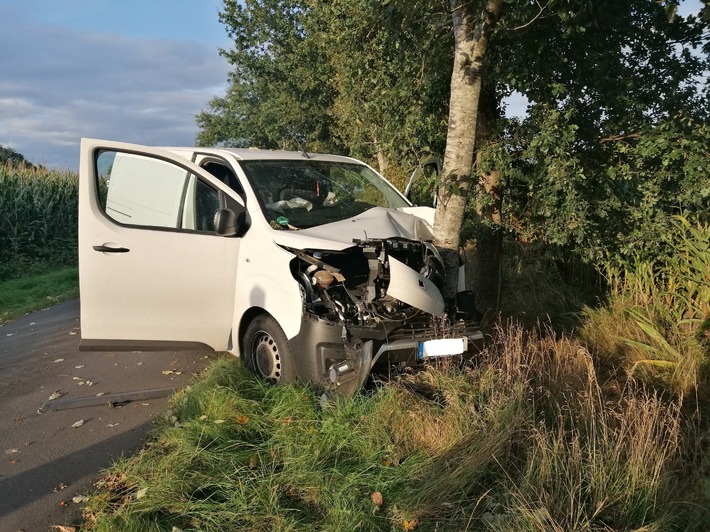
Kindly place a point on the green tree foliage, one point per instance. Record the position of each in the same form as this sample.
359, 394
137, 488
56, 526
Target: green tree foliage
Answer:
8, 155
391, 76
363, 78
614, 141
279, 91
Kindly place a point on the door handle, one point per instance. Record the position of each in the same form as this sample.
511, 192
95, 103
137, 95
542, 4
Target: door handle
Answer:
106, 249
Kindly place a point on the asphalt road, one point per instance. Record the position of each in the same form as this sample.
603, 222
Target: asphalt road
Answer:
45, 462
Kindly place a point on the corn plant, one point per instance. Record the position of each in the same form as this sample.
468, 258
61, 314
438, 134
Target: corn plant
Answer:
38, 214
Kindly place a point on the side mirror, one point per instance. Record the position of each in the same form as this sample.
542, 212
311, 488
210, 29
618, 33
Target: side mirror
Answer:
226, 222
427, 174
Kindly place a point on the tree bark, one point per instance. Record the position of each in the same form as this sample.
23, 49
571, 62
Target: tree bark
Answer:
471, 35
382, 161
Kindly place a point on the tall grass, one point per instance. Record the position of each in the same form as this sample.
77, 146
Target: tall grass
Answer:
38, 217
526, 438
606, 430
657, 324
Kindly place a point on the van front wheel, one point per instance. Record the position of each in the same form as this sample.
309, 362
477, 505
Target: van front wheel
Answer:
266, 350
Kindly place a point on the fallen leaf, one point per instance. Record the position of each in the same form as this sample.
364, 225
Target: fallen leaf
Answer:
100, 394
141, 493
55, 395
12, 451
242, 420
139, 364
410, 524
89, 383
76, 378
219, 421
168, 372
79, 367
13, 462
78, 424
79, 499
63, 528
377, 498
287, 420
72, 333
253, 461
60, 487
112, 425
202, 418
59, 360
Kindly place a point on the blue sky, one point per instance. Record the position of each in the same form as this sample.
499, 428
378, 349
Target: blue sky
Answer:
130, 70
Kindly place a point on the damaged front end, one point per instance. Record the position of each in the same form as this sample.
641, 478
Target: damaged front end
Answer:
375, 304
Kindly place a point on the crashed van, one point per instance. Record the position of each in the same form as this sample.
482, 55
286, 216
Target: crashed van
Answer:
310, 267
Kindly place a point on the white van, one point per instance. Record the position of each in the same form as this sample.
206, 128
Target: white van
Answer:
310, 267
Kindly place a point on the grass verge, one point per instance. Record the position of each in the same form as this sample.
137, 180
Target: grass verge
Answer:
37, 290
604, 431
527, 438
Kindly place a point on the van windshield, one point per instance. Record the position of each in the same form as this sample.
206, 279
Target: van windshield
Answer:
297, 194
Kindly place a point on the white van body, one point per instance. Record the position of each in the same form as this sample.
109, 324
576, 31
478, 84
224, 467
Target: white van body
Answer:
312, 267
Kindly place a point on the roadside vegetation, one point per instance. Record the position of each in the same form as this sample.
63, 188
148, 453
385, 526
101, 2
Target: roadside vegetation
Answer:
37, 291
38, 237
587, 216
602, 429
588, 408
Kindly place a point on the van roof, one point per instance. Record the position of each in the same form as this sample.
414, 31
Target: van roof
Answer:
247, 154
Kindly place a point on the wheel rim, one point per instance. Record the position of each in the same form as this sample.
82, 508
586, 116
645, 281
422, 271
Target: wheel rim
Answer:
267, 359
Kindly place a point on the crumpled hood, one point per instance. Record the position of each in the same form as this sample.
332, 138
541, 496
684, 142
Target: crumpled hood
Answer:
377, 222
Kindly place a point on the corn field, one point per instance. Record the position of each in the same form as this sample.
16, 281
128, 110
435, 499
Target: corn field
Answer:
38, 215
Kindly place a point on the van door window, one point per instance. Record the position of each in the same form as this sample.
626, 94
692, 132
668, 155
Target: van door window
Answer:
149, 192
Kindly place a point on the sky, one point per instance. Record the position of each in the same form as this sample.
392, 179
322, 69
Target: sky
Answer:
128, 70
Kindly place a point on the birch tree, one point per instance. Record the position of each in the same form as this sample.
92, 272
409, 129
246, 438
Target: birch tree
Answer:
472, 29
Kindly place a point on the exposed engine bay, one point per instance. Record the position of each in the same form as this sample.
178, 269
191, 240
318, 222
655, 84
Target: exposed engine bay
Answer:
352, 285
385, 297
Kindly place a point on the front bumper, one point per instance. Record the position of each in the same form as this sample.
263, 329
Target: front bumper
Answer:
333, 356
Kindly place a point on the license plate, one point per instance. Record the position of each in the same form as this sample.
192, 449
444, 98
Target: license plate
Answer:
443, 347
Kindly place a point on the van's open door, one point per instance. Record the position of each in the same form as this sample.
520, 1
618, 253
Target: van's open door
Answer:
154, 273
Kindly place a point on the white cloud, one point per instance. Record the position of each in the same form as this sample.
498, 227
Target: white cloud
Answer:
61, 84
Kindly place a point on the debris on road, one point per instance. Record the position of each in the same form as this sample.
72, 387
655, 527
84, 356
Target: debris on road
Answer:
63, 528
113, 400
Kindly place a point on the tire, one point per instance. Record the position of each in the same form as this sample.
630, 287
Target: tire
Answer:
267, 352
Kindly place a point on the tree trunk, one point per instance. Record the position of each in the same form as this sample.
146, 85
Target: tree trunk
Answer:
382, 161
471, 36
